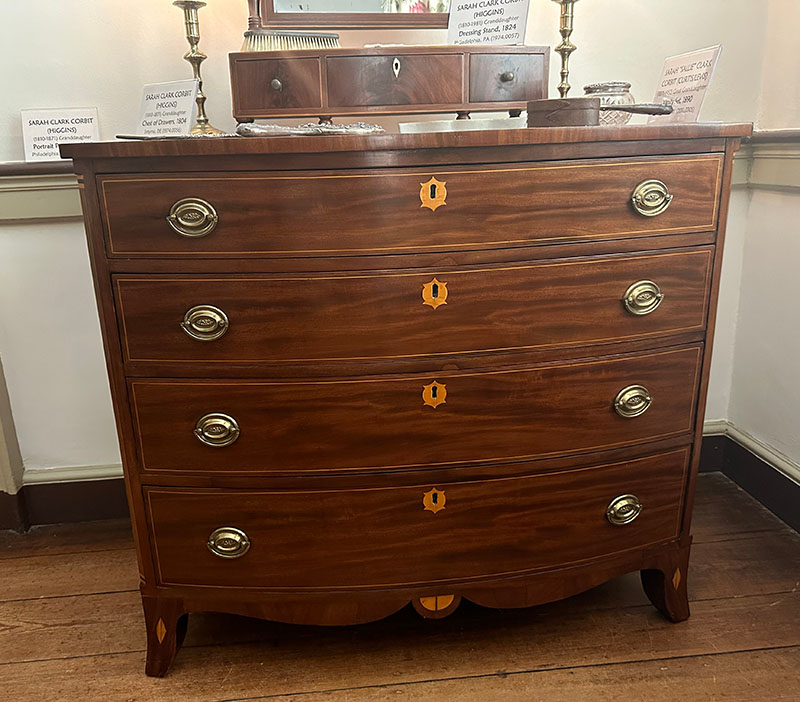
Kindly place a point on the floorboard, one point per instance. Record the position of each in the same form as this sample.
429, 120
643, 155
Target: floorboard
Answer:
71, 629
737, 677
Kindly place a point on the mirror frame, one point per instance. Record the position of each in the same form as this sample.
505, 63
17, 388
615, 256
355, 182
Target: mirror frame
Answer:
350, 20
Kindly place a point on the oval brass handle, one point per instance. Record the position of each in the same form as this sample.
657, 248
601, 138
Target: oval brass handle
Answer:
632, 401
651, 198
507, 76
623, 510
228, 542
192, 217
642, 297
216, 429
276, 84
205, 322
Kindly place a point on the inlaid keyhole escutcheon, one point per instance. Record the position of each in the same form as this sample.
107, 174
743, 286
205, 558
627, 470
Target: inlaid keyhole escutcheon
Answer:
396, 67
433, 193
434, 293
434, 500
434, 394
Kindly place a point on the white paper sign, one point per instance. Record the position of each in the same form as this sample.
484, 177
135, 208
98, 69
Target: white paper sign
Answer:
487, 21
167, 108
44, 130
684, 82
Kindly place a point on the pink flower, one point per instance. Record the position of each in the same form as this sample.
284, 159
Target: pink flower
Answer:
419, 6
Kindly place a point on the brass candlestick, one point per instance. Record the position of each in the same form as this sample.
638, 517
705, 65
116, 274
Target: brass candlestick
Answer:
195, 57
566, 47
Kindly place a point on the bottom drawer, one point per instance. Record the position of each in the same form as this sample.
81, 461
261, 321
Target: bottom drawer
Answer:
413, 534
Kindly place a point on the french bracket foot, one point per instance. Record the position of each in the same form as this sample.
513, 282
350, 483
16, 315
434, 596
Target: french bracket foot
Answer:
166, 627
665, 586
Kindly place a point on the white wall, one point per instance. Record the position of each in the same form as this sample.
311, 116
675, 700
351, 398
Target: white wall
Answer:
100, 53
51, 347
765, 379
779, 101
765, 398
719, 384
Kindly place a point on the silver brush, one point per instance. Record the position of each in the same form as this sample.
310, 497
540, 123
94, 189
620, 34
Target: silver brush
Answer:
270, 40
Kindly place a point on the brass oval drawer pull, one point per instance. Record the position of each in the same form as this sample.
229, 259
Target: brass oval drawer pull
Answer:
507, 76
642, 297
193, 217
217, 429
228, 542
632, 401
276, 84
651, 198
205, 322
623, 510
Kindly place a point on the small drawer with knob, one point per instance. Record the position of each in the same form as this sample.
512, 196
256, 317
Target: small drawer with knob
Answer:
407, 210
370, 423
276, 84
513, 77
414, 531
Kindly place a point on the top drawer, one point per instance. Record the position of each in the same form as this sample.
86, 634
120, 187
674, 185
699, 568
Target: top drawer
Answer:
405, 211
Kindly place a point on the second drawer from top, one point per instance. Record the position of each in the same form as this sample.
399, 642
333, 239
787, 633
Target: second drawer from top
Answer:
232, 319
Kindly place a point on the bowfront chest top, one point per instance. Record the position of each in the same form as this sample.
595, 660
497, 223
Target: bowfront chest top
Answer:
351, 373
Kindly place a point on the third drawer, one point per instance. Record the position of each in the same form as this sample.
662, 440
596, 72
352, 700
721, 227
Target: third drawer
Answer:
390, 423
253, 319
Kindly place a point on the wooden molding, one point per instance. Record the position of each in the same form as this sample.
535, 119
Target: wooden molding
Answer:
10, 457
775, 166
71, 474
34, 192
760, 449
771, 487
771, 136
13, 514
23, 168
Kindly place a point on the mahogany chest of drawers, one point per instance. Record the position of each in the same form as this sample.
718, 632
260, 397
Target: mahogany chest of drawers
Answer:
352, 373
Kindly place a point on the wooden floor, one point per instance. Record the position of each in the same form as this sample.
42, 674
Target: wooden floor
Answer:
71, 629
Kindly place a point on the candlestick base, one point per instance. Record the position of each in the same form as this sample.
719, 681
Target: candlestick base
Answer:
195, 57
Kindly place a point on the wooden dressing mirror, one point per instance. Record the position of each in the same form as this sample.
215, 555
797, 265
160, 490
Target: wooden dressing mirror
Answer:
418, 14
